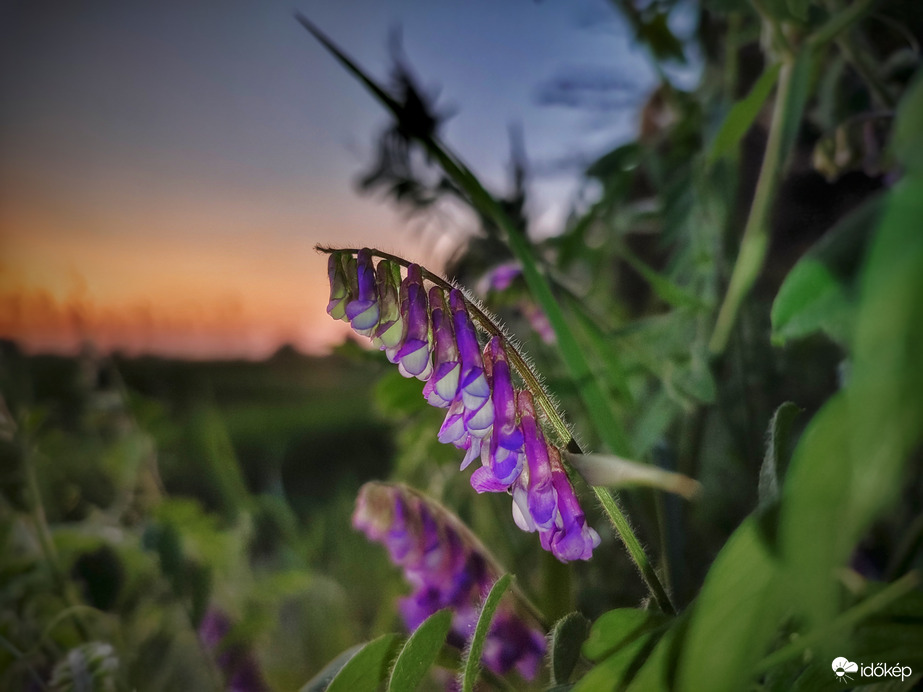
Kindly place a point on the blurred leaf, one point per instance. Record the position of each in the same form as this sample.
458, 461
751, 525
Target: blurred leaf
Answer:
819, 291
742, 116
734, 617
800, 90
849, 464
321, 681
618, 628
907, 141
567, 637
471, 661
420, 651
665, 289
616, 669
615, 472
397, 396
368, 667
779, 429
657, 670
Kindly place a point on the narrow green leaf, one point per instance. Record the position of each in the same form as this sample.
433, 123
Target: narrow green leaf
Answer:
666, 290
742, 115
657, 669
907, 142
734, 617
419, 652
567, 637
368, 667
471, 663
614, 671
776, 444
618, 628
614, 472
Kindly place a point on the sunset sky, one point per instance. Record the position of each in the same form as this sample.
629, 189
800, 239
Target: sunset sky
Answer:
167, 167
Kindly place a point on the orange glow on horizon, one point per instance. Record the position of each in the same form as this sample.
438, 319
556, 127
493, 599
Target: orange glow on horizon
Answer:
147, 296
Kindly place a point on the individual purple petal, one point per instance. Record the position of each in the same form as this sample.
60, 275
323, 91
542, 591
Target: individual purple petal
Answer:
542, 497
521, 514
484, 481
480, 421
474, 446
453, 428
473, 383
500, 277
505, 464
414, 355
442, 388
506, 431
339, 286
571, 538
390, 331
363, 310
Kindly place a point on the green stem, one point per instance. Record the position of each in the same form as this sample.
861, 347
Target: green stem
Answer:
635, 550
755, 239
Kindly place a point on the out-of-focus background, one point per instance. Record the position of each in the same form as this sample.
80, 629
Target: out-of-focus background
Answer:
183, 429
165, 171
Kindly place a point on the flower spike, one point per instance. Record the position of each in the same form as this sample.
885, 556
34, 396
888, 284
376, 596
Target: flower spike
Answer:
430, 335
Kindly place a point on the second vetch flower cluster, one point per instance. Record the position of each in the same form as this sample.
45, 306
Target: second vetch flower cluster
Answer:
429, 335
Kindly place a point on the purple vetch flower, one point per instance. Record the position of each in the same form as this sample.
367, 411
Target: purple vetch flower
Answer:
236, 663
390, 332
442, 388
447, 568
413, 358
540, 491
505, 453
473, 385
339, 286
363, 310
571, 538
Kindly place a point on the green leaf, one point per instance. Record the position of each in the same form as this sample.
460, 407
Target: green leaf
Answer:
907, 141
322, 680
618, 628
471, 662
742, 116
819, 291
659, 667
779, 428
620, 666
734, 617
368, 667
420, 651
567, 637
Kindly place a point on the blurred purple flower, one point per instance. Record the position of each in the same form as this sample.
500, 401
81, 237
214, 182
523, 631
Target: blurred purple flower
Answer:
447, 568
237, 664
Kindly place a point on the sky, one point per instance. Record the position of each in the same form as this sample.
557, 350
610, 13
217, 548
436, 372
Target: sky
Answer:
166, 168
